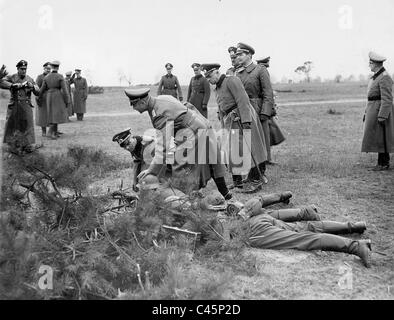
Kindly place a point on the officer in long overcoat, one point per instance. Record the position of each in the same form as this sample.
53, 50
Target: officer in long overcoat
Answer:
169, 84
197, 157
81, 91
42, 110
19, 124
257, 83
57, 99
379, 114
244, 129
276, 135
199, 91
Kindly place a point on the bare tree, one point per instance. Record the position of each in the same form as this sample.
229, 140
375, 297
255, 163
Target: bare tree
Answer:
338, 78
123, 77
305, 69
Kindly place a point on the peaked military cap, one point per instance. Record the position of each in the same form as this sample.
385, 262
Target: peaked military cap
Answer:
373, 56
232, 50
209, 67
169, 65
265, 60
198, 65
55, 63
68, 73
46, 64
78, 70
22, 63
243, 47
137, 94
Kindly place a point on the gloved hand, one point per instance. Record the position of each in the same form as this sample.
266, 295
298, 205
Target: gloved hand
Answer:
381, 121
29, 84
180, 99
204, 107
263, 117
247, 126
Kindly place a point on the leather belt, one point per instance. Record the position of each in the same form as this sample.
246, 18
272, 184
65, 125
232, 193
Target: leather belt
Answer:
377, 98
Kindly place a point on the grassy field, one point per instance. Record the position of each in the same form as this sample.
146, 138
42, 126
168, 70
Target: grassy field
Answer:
320, 162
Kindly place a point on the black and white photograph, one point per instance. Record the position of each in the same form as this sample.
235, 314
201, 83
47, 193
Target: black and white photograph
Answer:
220, 151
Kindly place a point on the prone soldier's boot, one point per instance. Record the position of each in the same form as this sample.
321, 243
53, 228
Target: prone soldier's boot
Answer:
308, 213
334, 227
273, 198
362, 248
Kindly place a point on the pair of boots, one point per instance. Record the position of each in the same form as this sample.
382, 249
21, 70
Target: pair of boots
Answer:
53, 133
383, 162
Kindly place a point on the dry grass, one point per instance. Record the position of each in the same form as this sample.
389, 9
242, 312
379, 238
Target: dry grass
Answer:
320, 162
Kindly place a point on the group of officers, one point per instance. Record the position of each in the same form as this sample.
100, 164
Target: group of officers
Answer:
245, 105
56, 102
246, 109
251, 86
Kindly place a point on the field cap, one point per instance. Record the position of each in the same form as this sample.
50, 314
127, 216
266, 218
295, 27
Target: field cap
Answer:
21, 64
55, 63
137, 94
244, 48
373, 56
208, 68
264, 60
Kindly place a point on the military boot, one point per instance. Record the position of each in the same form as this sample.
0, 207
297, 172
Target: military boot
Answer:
334, 227
298, 214
274, 198
358, 227
362, 248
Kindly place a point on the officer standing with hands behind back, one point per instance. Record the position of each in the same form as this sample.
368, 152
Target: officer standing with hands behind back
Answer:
379, 115
169, 84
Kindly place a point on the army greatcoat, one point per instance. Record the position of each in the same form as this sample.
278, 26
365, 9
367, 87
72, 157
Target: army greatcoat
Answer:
196, 157
169, 85
236, 110
81, 91
380, 105
19, 118
199, 93
57, 98
41, 110
257, 83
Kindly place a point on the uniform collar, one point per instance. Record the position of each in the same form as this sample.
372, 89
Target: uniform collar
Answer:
54, 71
378, 73
198, 76
169, 75
221, 79
250, 67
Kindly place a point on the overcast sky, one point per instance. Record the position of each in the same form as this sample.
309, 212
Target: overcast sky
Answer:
140, 37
